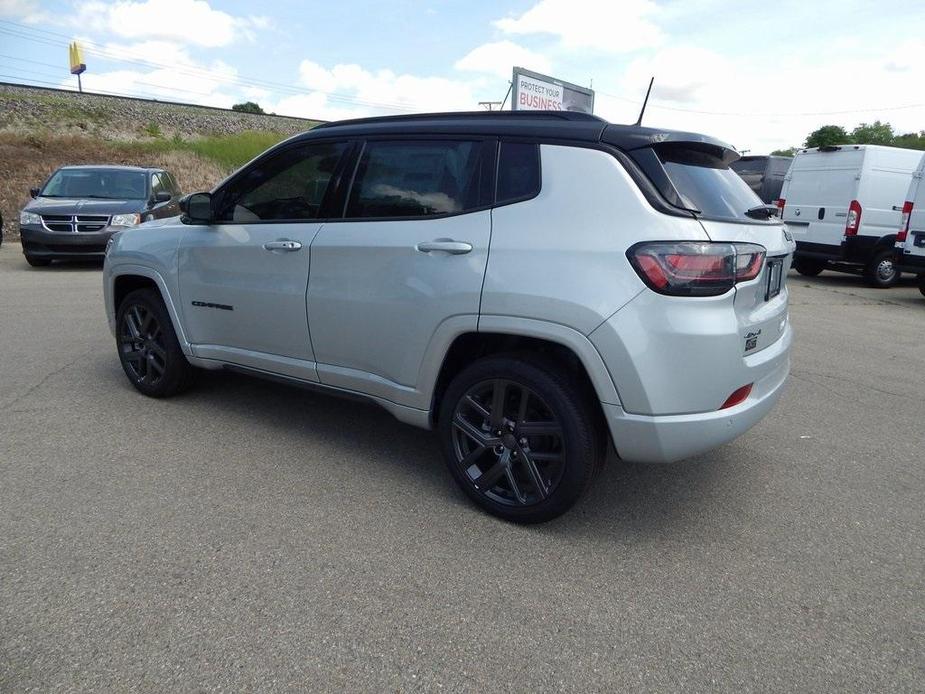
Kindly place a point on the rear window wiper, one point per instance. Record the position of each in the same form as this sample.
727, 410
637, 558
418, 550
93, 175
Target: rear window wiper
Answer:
762, 211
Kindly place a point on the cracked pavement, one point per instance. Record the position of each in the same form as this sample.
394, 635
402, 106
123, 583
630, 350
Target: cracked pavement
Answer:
252, 537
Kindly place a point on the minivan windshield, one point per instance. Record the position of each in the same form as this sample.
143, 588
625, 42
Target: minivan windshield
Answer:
107, 184
707, 184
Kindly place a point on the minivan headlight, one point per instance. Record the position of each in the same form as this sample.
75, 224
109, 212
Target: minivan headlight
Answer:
29, 218
125, 220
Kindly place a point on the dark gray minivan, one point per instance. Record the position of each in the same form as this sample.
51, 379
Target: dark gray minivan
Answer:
73, 215
763, 174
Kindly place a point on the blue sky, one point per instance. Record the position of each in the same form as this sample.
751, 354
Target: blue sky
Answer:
760, 75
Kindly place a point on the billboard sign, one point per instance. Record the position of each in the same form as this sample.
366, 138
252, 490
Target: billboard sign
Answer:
536, 92
75, 56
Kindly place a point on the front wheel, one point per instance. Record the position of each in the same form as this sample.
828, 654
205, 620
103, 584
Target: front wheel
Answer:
881, 272
148, 347
807, 267
519, 437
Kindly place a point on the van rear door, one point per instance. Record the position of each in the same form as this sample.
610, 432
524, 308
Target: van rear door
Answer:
817, 192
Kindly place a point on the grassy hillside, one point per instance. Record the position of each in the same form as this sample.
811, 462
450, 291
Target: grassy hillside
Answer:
41, 130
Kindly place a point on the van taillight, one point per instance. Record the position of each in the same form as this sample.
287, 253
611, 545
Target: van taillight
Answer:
854, 218
904, 224
695, 268
780, 208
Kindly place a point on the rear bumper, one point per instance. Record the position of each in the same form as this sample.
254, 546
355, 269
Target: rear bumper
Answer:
64, 245
853, 250
669, 438
906, 262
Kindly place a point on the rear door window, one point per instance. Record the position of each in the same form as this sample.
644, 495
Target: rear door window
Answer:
518, 171
706, 184
416, 179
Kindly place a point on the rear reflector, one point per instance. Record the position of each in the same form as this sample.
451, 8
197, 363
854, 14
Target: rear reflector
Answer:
780, 208
695, 268
738, 396
904, 224
854, 218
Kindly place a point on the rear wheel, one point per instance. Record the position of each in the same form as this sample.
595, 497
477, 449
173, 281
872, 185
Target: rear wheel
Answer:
37, 262
808, 267
880, 271
148, 347
520, 438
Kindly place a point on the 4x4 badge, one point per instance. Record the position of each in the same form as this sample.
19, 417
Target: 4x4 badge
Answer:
751, 341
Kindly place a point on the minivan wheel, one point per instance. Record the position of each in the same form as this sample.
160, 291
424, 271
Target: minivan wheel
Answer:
808, 267
880, 271
519, 437
37, 262
148, 347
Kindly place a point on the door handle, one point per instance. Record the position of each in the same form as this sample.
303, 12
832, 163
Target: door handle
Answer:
282, 245
445, 245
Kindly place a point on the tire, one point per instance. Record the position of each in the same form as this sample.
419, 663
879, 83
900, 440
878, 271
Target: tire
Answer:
148, 347
37, 262
808, 267
880, 272
543, 461
921, 280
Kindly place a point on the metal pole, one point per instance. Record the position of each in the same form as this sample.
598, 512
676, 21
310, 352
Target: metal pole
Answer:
80, 86
510, 87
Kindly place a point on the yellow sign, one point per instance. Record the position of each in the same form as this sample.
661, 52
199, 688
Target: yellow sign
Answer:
76, 56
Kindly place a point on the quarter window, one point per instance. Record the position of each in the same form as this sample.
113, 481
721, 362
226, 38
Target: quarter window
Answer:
288, 186
416, 179
518, 171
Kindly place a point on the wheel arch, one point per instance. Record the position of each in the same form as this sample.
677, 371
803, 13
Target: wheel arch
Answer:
129, 278
552, 342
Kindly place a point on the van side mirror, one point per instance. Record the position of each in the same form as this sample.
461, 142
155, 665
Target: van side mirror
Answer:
196, 208
161, 196
34, 192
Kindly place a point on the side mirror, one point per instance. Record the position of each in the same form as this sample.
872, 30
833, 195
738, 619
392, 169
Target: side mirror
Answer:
34, 192
162, 196
197, 208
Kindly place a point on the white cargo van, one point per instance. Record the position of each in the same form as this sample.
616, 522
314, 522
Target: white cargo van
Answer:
842, 204
910, 241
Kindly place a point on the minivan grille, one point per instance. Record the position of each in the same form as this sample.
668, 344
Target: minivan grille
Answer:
75, 223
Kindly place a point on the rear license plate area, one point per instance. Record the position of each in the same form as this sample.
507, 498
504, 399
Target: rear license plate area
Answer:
775, 278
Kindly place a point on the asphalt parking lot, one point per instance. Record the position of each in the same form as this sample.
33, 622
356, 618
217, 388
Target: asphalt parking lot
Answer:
252, 537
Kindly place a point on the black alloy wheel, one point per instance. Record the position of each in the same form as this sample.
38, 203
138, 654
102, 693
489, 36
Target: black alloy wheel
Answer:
520, 438
148, 347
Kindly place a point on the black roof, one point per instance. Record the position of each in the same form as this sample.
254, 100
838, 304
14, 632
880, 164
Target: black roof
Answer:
542, 125
114, 167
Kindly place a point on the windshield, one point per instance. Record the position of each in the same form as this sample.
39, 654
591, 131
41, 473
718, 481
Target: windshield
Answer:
706, 184
746, 166
108, 184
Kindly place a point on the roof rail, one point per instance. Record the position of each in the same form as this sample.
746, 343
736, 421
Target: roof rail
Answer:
465, 115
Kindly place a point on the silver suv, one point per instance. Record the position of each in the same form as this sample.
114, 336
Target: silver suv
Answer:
535, 287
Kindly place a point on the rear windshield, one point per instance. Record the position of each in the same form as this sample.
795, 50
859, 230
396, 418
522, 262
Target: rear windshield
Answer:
706, 184
746, 167
108, 184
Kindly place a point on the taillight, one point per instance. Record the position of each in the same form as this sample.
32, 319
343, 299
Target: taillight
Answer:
738, 396
854, 218
904, 223
695, 268
780, 208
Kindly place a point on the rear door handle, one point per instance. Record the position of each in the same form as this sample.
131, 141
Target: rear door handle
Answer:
445, 245
282, 245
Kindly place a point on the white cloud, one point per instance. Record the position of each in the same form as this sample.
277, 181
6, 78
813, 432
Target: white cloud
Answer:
189, 21
613, 26
500, 57
350, 91
24, 10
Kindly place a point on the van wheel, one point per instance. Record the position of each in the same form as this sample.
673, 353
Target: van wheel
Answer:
921, 279
519, 437
148, 347
808, 267
37, 262
880, 271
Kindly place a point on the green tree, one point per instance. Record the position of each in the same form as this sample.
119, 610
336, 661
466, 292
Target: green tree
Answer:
247, 107
789, 152
826, 136
910, 140
875, 133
